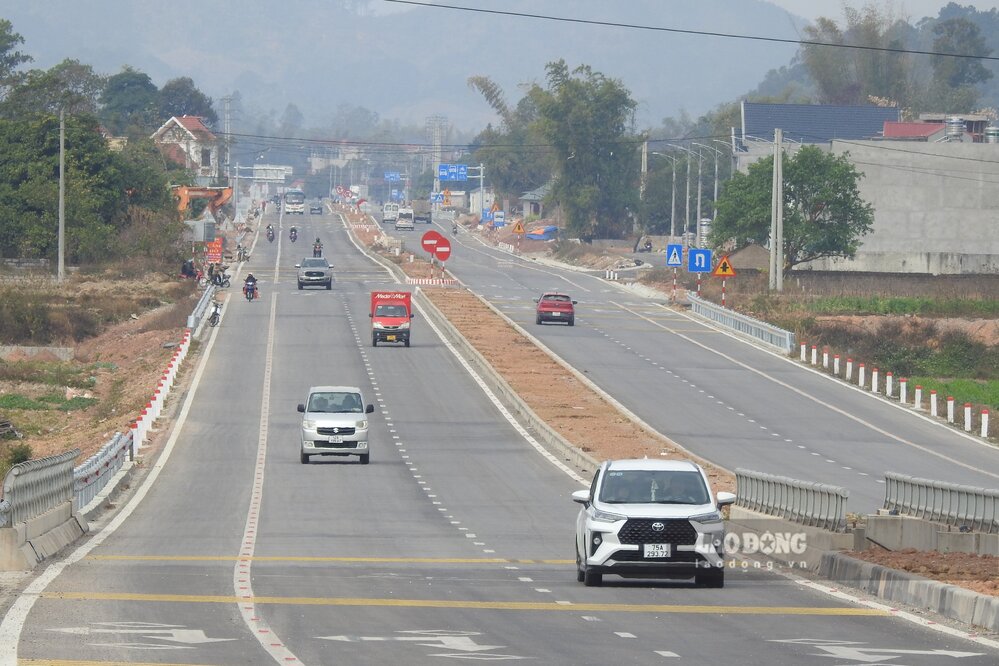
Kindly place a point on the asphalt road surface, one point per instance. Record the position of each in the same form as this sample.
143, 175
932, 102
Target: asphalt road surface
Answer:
719, 397
454, 543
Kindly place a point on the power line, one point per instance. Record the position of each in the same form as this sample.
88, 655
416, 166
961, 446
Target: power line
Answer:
681, 31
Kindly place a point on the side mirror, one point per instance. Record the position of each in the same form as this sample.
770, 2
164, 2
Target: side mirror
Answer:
298, 265
724, 499
574, 302
301, 408
371, 408
581, 497
371, 314
411, 315
536, 300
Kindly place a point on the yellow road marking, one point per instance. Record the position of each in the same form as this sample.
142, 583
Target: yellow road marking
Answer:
451, 604
80, 662
364, 560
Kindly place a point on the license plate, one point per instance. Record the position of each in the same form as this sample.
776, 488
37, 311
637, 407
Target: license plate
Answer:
556, 314
657, 550
390, 338
335, 439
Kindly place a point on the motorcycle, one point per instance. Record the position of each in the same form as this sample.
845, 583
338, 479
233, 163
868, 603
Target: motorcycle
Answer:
216, 315
270, 235
222, 280
241, 253
293, 235
317, 250
454, 229
250, 290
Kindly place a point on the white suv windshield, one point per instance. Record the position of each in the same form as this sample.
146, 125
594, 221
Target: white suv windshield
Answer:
653, 487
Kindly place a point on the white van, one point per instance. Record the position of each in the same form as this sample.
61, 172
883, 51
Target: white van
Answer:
390, 212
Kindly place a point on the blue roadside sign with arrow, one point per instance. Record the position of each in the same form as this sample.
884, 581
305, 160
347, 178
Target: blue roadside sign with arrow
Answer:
698, 261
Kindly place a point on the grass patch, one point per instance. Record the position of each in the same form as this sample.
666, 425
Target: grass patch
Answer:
75, 403
964, 390
18, 401
880, 305
52, 373
112, 403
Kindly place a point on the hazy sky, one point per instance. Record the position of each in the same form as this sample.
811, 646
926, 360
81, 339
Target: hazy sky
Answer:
915, 9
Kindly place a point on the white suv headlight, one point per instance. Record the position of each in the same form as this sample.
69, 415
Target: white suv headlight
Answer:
707, 518
605, 517
308, 424
361, 425
377, 324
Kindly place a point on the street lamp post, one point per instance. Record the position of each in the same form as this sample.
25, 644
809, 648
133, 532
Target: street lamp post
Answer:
714, 201
672, 196
686, 206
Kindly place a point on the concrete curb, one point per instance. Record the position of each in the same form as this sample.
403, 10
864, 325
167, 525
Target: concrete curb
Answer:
951, 601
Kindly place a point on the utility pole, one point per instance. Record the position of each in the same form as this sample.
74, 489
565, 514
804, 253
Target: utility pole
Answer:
777, 216
62, 195
700, 160
482, 187
645, 171
226, 128
436, 128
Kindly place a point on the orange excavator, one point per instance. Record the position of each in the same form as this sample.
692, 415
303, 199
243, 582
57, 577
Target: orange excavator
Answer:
216, 196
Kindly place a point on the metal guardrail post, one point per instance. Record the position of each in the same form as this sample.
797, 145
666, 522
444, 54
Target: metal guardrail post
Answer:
33, 487
754, 328
813, 504
93, 475
953, 504
199, 310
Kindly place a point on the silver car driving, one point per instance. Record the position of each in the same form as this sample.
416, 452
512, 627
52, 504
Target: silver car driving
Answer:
315, 271
335, 423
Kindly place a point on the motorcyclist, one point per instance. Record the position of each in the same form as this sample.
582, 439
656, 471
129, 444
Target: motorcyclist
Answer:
454, 228
317, 248
249, 282
293, 233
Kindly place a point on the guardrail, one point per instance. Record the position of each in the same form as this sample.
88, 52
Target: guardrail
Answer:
93, 475
199, 310
33, 487
754, 328
976, 509
813, 504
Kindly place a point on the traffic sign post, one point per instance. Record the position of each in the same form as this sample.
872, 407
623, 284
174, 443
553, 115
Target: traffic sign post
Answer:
674, 259
724, 270
698, 261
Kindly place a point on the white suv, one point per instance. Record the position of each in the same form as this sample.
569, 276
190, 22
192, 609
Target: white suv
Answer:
650, 519
335, 423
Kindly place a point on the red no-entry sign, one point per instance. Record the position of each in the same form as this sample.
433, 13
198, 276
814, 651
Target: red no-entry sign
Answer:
430, 240
443, 249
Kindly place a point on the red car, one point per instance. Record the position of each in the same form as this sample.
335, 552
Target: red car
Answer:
553, 306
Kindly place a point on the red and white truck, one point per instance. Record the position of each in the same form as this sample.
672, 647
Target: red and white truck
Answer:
391, 314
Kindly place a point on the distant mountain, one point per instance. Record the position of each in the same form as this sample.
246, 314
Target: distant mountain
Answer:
409, 64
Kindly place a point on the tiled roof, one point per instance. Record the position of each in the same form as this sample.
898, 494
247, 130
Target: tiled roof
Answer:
814, 123
537, 194
898, 130
193, 125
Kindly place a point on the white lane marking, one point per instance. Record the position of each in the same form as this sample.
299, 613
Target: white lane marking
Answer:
666, 653
625, 634
591, 618
17, 614
808, 396
241, 575
496, 402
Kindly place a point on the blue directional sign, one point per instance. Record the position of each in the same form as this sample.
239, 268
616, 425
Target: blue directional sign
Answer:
674, 255
436, 197
698, 261
392, 175
452, 172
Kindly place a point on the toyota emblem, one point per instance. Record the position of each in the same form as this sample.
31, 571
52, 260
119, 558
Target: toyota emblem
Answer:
658, 527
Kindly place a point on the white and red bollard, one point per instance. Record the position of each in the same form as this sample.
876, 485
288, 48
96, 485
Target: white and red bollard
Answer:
874, 380
950, 409
861, 375
836, 364
967, 417
849, 369
803, 347
933, 402
889, 388
815, 355
903, 390
825, 357
985, 423
918, 400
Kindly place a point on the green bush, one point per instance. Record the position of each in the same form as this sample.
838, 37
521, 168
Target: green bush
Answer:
18, 401
78, 402
963, 390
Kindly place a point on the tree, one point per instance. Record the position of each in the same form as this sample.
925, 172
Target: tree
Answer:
180, 97
587, 120
291, 121
824, 215
954, 82
10, 58
129, 103
70, 86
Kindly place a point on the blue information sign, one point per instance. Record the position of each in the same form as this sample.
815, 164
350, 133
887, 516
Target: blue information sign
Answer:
452, 172
698, 261
436, 197
442, 172
392, 175
674, 255
462, 172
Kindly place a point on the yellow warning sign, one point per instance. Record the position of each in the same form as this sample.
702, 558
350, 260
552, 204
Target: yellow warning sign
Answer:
724, 268
519, 228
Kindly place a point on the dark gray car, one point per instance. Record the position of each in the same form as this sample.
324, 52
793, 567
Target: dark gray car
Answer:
315, 271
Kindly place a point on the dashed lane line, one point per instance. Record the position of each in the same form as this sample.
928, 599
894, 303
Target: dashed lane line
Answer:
680, 609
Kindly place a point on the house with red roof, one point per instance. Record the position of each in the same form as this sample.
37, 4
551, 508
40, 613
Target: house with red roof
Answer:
187, 141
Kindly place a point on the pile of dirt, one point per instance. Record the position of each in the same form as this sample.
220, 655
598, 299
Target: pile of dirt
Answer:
974, 572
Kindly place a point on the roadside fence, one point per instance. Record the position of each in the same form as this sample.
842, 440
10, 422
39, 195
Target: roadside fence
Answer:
33, 487
894, 388
813, 504
754, 328
975, 509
